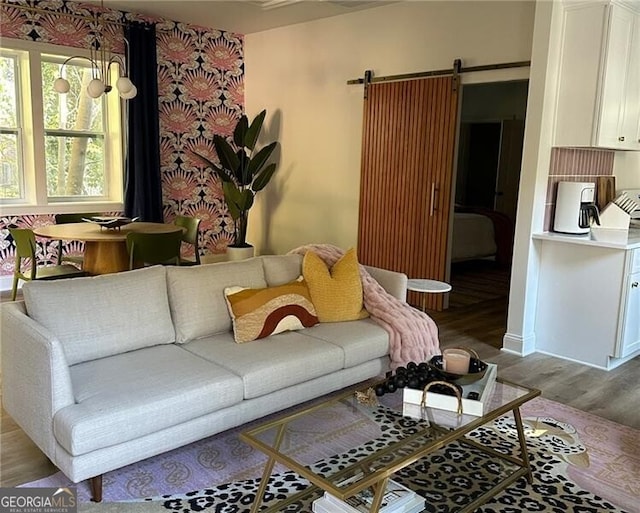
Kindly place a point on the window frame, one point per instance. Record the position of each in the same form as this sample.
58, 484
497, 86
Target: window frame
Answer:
33, 133
17, 130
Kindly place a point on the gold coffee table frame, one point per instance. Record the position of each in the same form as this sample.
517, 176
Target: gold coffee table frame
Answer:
506, 397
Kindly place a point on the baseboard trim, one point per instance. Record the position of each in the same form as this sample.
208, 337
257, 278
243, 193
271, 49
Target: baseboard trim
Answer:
581, 362
516, 344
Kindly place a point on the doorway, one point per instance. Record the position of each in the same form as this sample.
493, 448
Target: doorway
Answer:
491, 134
489, 156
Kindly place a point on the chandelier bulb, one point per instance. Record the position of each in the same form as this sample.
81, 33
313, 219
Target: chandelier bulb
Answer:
61, 85
95, 88
132, 93
124, 85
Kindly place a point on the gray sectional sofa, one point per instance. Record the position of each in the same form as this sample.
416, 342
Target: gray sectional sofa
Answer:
105, 371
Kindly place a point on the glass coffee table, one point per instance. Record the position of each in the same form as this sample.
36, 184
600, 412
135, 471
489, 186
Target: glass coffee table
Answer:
382, 443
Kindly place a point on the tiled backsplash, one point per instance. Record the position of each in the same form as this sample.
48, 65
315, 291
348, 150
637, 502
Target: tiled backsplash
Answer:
574, 165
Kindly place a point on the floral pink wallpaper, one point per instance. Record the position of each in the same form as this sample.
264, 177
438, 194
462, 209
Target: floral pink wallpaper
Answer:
201, 92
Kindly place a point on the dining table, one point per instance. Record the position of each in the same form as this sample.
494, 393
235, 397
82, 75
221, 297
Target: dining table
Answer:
105, 249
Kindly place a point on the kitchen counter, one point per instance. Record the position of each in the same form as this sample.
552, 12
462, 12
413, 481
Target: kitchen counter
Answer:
599, 237
588, 296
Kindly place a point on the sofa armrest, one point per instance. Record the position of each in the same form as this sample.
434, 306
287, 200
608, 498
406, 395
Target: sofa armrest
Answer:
36, 382
393, 282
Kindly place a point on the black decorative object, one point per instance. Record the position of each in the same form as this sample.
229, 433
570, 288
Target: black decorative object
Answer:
110, 222
419, 375
414, 375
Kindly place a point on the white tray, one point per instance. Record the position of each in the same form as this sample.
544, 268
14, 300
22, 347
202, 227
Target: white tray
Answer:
412, 398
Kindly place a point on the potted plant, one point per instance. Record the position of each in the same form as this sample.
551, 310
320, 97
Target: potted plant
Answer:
243, 172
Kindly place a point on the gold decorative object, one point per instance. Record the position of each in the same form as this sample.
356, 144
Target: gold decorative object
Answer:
423, 403
368, 397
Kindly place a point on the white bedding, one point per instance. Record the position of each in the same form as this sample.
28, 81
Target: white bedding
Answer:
473, 237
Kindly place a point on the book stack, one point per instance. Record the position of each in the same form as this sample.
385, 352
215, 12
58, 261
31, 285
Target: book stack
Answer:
397, 499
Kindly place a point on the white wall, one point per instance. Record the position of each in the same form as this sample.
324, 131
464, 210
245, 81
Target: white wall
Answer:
626, 168
538, 137
299, 74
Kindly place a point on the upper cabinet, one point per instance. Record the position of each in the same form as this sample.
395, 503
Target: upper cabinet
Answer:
598, 103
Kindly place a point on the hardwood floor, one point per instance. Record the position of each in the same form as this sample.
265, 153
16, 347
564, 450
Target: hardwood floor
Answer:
479, 325
477, 281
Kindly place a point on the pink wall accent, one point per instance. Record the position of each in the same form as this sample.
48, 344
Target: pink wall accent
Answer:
574, 165
201, 93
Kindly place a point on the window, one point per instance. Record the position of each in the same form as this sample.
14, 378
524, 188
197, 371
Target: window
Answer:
56, 150
73, 132
11, 184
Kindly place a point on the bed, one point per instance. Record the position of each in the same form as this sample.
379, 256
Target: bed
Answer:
481, 233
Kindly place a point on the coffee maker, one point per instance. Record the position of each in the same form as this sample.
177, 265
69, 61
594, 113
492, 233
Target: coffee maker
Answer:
575, 208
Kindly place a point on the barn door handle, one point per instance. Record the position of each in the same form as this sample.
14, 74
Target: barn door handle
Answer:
434, 190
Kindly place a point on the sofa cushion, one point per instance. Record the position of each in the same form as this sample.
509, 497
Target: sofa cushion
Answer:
281, 269
103, 315
259, 313
336, 292
130, 395
196, 295
272, 363
361, 340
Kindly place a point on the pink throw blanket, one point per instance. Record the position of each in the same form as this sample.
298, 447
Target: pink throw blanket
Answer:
413, 335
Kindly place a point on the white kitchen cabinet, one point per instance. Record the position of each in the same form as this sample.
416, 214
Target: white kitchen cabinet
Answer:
598, 101
630, 117
588, 307
629, 339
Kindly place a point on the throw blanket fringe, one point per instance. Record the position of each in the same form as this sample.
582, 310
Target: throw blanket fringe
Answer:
413, 335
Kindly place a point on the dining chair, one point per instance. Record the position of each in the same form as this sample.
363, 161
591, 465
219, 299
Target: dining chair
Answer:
153, 248
25, 242
66, 219
190, 236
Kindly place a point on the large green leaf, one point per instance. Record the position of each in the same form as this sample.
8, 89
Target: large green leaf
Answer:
205, 159
233, 197
263, 178
260, 158
240, 131
241, 172
238, 200
228, 158
247, 199
222, 173
251, 136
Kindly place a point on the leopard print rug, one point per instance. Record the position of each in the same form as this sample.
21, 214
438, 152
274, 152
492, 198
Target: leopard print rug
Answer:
447, 479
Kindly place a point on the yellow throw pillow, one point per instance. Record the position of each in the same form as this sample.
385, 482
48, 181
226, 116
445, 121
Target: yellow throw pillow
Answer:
336, 293
258, 313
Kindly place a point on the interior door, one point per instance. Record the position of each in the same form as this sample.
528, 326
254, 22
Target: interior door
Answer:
508, 181
406, 178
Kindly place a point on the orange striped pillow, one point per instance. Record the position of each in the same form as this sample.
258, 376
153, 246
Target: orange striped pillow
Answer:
259, 313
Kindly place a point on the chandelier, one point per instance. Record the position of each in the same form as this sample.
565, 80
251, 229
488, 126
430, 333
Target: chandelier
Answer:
101, 60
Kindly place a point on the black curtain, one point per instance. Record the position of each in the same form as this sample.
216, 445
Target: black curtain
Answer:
143, 189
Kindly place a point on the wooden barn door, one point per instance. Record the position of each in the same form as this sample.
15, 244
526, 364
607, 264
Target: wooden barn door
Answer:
406, 178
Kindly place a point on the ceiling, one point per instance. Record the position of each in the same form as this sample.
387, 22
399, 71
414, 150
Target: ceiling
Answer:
242, 16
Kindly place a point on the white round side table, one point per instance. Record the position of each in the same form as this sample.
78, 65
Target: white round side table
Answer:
427, 287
